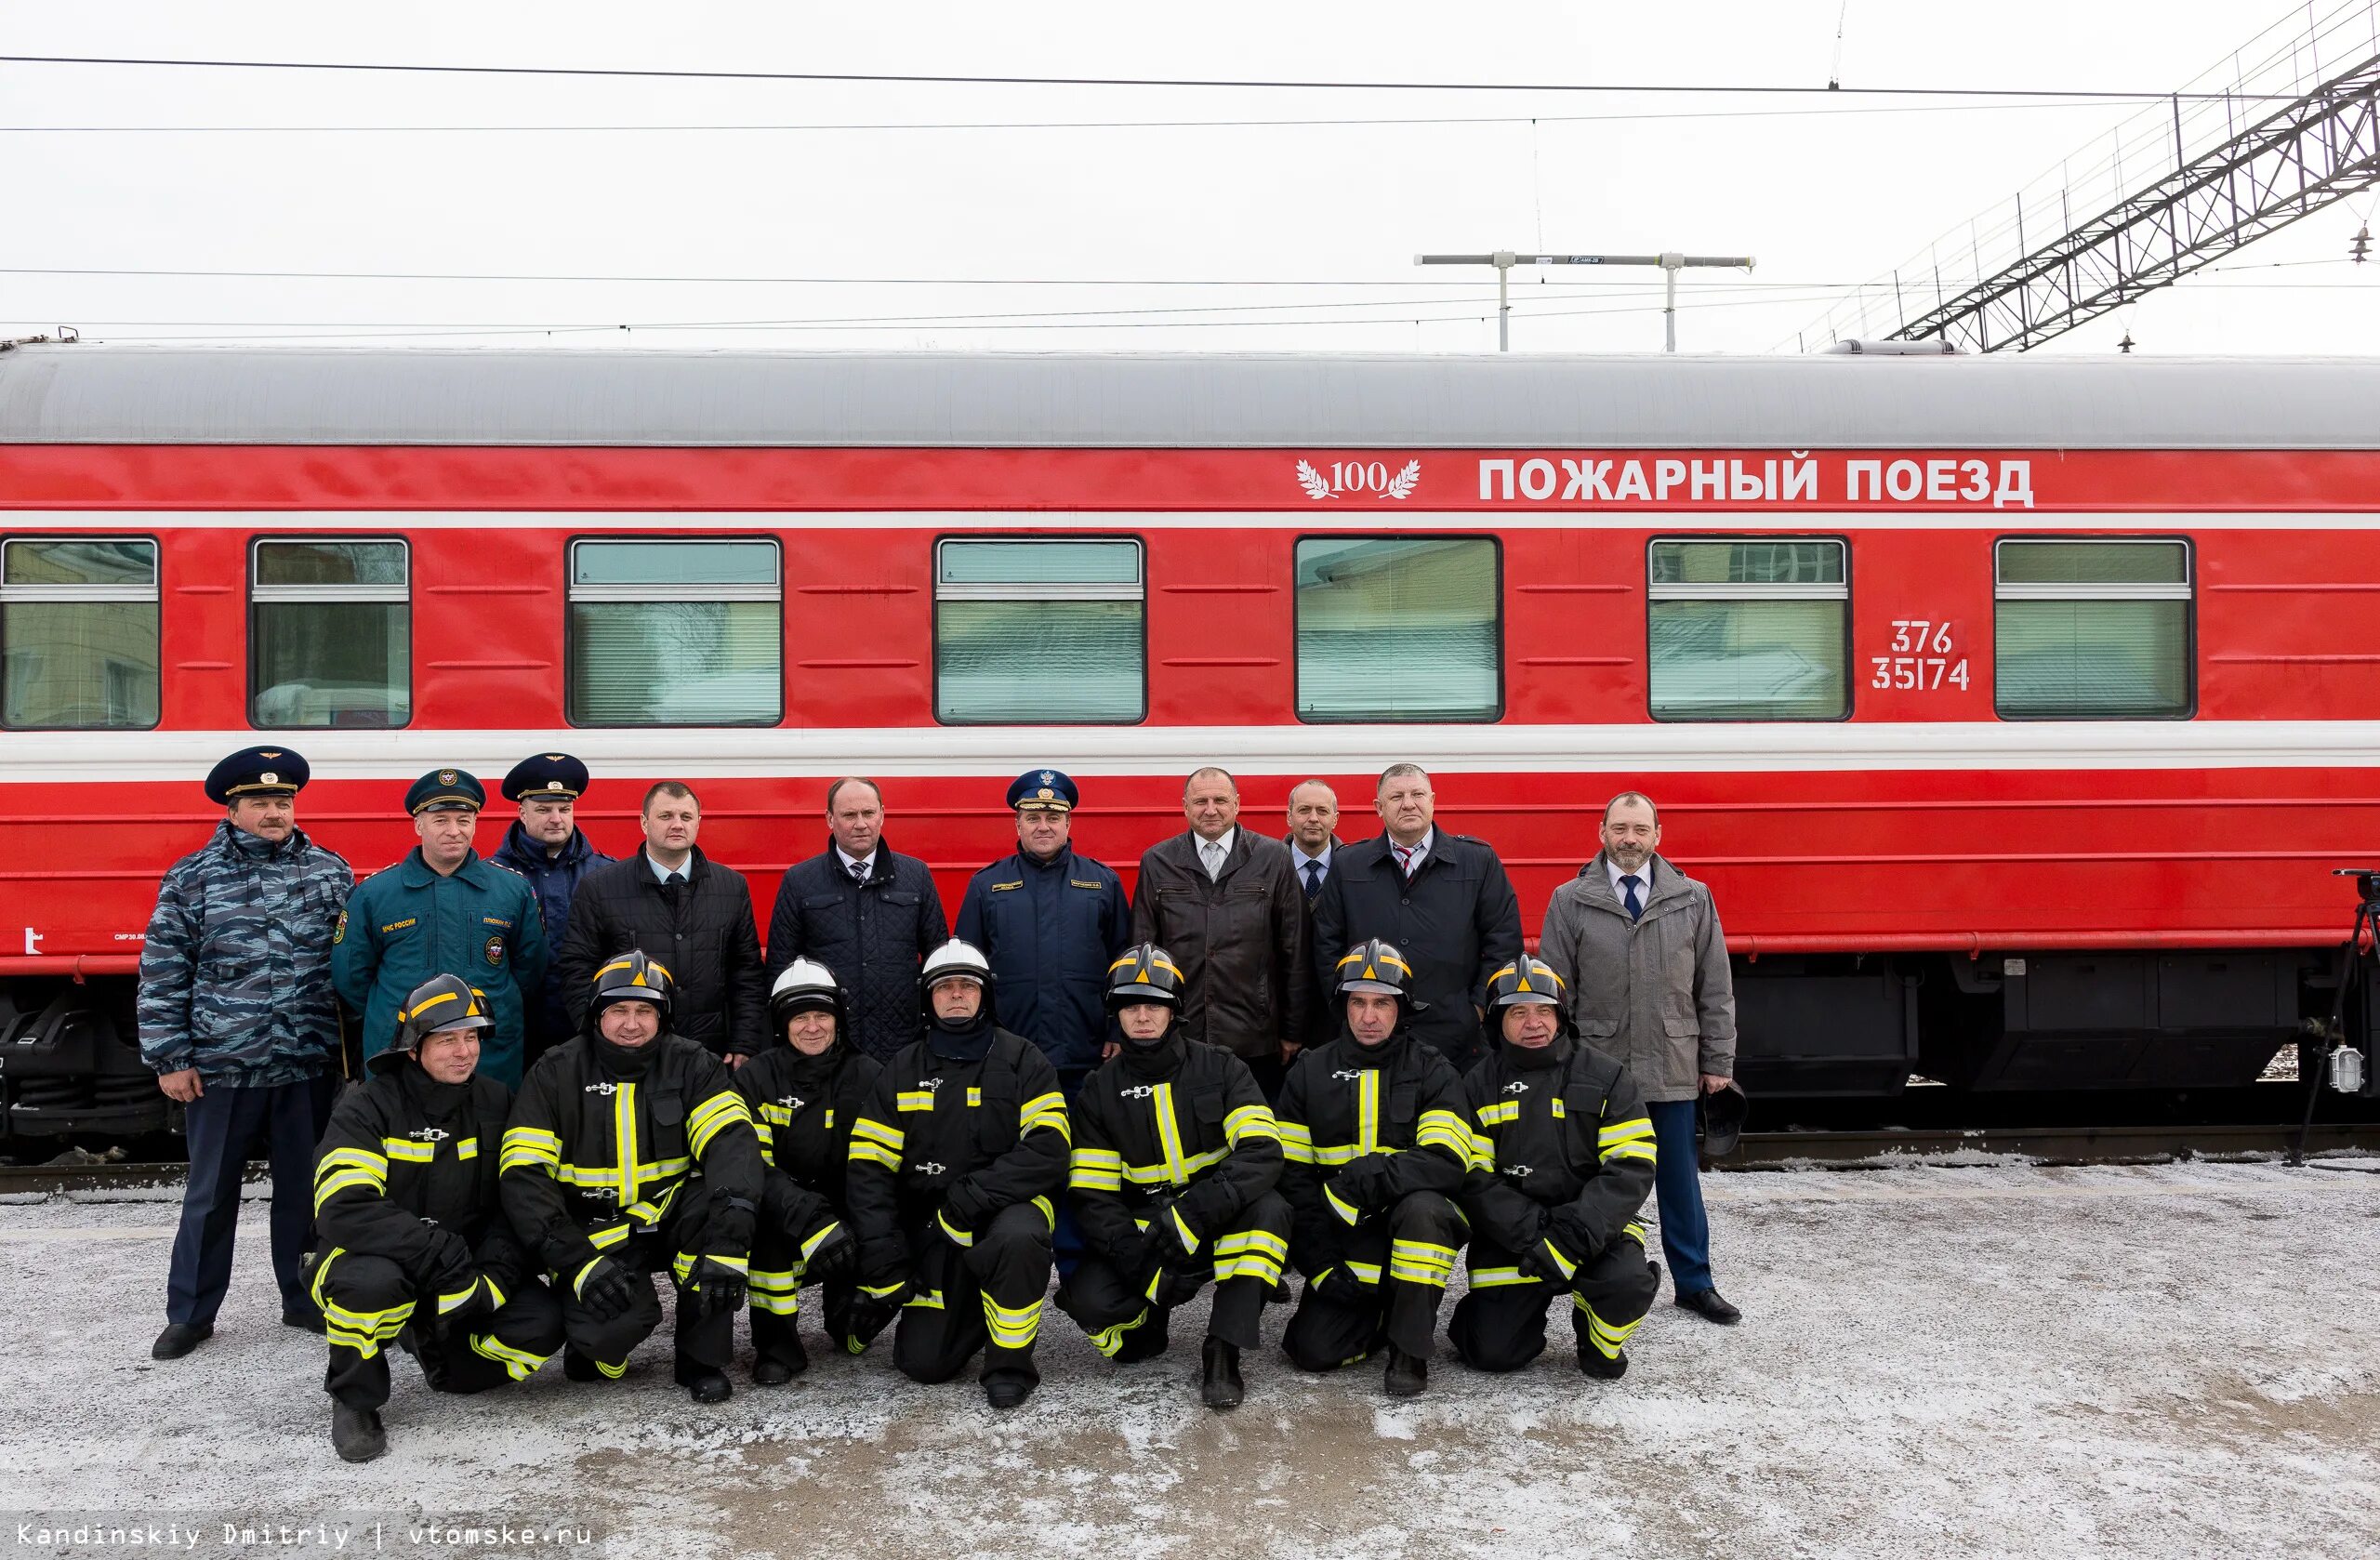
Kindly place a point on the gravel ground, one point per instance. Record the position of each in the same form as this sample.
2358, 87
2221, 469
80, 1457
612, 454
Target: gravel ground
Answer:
2000, 1360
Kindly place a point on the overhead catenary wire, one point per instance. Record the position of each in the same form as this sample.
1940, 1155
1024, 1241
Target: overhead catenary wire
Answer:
903, 78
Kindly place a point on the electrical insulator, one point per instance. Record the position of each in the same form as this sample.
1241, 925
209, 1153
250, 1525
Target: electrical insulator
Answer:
2347, 1070
2359, 248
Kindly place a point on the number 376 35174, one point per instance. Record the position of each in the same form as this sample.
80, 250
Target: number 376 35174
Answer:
1924, 658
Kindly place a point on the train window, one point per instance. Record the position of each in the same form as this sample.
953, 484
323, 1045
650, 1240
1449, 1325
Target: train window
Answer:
675, 633
78, 633
2094, 628
1047, 630
330, 633
1749, 628
1398, 628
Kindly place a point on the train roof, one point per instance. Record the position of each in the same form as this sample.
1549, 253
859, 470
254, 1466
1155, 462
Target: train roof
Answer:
77, 393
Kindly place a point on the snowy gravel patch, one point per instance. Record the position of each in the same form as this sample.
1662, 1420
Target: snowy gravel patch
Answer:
1994, 1360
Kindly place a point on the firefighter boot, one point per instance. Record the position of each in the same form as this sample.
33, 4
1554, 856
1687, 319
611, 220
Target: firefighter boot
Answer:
1408, 1374
356, 1433
1221, 1387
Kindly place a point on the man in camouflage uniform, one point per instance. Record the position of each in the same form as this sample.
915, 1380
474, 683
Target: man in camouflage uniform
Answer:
239, 1020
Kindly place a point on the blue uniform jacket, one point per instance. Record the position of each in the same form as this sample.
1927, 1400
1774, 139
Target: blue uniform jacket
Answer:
1050, 931
235, 975
406, 923
553, 880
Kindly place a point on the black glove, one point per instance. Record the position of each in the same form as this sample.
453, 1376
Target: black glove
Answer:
1176, 1285
718, 1287
604, 1288
447, 1265
836, 1258
1338, 1283
460, 1319
1360, 1182
1543, 1263
872, 1312
729, 1225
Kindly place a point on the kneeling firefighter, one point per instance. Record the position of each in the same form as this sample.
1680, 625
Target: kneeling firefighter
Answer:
954, 1166
1175, 1159
1371, 1128
415, 1248
631, 1151
804, 1094
1562, 1162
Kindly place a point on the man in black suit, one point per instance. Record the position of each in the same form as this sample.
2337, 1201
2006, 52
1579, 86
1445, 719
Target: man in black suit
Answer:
1224, 903
1314, 834
1443, 898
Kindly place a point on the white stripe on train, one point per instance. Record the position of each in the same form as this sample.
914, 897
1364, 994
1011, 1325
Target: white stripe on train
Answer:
85, 758
1322, 517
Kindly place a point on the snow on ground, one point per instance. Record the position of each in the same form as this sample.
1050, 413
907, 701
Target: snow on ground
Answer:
2173, 1361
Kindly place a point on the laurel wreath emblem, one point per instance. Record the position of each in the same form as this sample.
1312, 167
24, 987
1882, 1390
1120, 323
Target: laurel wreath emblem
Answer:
1318, 486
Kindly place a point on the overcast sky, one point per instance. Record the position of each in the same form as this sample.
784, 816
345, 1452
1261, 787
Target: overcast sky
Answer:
1824, 191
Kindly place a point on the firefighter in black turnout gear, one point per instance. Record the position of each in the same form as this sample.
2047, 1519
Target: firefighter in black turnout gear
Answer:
415, 1250
1175, 1159
631, 1151
1373, 1131
954, 1166
805, 1095
1562, 1162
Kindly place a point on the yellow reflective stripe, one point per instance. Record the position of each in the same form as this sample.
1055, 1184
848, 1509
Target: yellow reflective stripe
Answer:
810, 1247
1049, 1211
1109, 1341
1169, 1135
927, 1300
1366, 1273
1483, 1151
454, 1299
1011, 1327
525, 1147
1366, 1110
608, 1237
1605, 1336
1499, 1113
1045, 1111
877, 1131
1561, 1112
1087, 1178
914, 1099
1621, 1131
519, 1364
578, 1279
865, 1152
408, 1150
342, 1181
358, 1159
1497, 1277
714, 1115
467, 1149
1181, 1227
1160, 1175
974, 1097
1297, 1141
1346, 1210
1445, 1129
1420, 1262
624, 1144
963, 1237
1250, 1121
1561, 1259
1644, 1151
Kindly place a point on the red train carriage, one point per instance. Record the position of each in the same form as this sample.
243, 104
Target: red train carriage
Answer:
2016, 709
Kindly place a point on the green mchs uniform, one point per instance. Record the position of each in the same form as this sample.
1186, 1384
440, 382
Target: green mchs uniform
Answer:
406, 923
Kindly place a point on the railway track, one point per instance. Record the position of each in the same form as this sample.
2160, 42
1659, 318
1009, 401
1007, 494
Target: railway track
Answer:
1847, 1150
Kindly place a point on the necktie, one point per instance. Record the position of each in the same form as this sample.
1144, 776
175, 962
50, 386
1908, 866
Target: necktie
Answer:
1212, 852
1405, 857
1313, 879
859, 872
1636, 905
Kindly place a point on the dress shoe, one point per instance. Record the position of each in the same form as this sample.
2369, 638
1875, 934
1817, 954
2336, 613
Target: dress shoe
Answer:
702, 1383
180, 1338
1006, 1392
1601, 1366
356, 1433
1221, 1387
1408, 1374
1707, 1305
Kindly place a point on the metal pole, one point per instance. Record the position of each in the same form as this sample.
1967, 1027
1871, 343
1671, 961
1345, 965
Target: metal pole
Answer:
1503, 259
1671, 263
